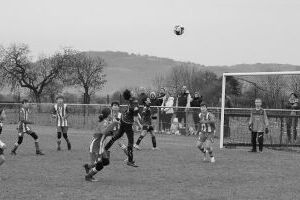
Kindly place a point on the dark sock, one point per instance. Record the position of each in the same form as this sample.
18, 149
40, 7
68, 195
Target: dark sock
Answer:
139, 140
130, 154
37, 147
202, 149
153, 141
109, 144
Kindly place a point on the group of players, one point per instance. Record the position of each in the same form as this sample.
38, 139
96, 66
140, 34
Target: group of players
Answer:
113, 123
111, 127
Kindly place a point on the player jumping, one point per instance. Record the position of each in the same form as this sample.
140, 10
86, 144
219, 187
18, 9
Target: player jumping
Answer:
61, 113
128, 118
147, 126
24, 128
100, 157
206, 131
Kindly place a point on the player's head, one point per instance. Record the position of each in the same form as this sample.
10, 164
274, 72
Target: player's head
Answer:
25, 103
60, 99
115, 106
203, 107
105, 113
152, 95
293, 96
162, 90
183, 89
258, 103
148, 101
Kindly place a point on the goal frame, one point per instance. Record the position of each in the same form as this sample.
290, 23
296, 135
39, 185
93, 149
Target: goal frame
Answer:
242, 74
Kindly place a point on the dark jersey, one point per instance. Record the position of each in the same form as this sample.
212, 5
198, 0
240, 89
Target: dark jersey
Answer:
146, 116
131, 112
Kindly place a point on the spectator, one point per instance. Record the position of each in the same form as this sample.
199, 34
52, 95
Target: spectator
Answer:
183, 101
160, 100
168, 112
195, 103
161, 96
292, 121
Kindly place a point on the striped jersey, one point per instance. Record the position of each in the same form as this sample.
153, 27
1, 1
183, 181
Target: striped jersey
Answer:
61, 111
99, 138
207, 127
24, 116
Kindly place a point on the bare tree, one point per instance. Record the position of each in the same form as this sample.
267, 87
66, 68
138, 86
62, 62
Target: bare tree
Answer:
18, 69
87, 72
274, 86
158, 81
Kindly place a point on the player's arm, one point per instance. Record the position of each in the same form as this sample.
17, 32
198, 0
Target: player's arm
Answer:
67, 112
266, 120
250, 124
2, 115
53, 112
136, 117
106, 130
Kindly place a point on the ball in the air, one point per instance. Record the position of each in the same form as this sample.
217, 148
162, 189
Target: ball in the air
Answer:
178, 30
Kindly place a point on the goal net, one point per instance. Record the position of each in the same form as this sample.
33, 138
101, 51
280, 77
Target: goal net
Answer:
275, 89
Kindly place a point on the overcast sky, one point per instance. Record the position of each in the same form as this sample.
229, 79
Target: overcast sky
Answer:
218, 32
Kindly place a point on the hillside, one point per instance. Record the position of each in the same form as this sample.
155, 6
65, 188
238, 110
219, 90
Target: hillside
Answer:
125, 69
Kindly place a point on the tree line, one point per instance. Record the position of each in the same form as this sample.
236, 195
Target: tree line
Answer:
48, 75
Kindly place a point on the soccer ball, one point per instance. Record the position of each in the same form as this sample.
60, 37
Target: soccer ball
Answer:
178, 30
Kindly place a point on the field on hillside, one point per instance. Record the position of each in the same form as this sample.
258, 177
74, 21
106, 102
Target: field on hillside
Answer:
176, 171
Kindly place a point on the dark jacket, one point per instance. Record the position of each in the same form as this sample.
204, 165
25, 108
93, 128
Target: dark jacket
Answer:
182, 99
196, 102
160, 98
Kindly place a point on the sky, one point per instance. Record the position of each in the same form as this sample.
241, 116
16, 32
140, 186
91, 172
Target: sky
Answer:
217, 32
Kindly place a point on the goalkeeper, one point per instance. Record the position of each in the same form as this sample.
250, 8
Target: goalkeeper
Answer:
258, 124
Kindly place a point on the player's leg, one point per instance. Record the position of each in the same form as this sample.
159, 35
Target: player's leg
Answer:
209, 148
130, 137
94, 155
295, 124
288, 128
143, 134
2, 147
59, 138
200, 144
116, 136
18, 143
260, 140
65, 135
99, 165
153, 138
253, 141
36, 142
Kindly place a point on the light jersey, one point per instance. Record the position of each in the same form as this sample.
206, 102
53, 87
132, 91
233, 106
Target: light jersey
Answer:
99, 138
115, 116
61, 111
206, 127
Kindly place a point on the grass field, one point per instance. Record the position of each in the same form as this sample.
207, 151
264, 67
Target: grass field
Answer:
175, 172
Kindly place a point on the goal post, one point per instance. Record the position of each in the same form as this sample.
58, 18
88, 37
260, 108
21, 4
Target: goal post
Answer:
253, 79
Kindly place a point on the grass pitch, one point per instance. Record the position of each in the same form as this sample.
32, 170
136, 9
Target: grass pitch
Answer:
174, 172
